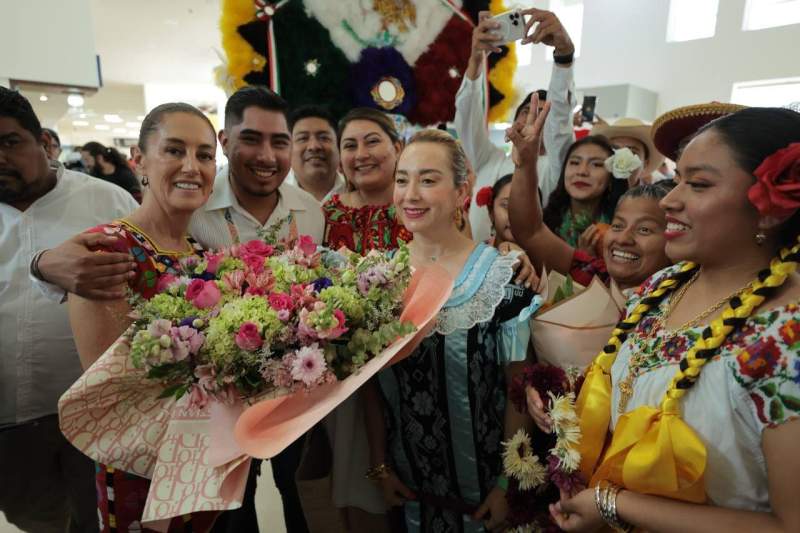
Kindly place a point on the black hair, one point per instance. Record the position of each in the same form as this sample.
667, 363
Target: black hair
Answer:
501, 182
373, 115
153, 119
14, 105
109, 154
559, 202
654, 191
253, 96
755, 133
53, 134
311, 111
527, 100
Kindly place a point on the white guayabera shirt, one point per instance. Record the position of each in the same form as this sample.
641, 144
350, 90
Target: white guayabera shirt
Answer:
38, 357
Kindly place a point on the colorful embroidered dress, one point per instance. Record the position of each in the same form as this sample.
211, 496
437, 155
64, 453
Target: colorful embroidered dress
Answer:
446, 401
362, 229
121, 496
752, 384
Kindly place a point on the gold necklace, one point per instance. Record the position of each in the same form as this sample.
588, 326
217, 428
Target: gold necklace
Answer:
636, 362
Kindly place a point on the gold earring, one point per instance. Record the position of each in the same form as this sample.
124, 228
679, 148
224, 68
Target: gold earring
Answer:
760, 237
459, 220
145, 181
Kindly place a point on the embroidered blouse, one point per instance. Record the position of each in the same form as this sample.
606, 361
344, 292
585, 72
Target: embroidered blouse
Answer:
753, 383
362, 229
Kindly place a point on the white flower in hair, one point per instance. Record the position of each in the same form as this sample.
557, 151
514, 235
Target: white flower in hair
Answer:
623, 163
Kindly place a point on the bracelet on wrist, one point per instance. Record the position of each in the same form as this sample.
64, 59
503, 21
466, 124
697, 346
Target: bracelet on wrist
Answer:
605, 498
35, 265
378, 473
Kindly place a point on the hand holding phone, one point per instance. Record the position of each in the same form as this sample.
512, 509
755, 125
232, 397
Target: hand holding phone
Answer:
511, 26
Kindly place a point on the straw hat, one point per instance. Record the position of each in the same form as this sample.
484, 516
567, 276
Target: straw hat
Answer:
637, 129
670, 129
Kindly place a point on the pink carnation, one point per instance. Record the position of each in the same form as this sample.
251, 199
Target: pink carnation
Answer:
255, 291
256, 247
306, 245
203, 294
308, 365
249, 337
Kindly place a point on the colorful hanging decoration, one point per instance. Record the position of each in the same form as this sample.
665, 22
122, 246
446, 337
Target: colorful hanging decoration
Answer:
404, 57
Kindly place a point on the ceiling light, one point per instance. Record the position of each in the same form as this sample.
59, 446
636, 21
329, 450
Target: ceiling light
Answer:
134, 125
43, 98
113, 119
75, 100
102, 127
79, 123
82, 115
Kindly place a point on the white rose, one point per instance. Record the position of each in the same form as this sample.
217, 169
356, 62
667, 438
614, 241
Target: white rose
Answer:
623, 163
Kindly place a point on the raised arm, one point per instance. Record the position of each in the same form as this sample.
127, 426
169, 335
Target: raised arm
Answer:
471, 100
525, 212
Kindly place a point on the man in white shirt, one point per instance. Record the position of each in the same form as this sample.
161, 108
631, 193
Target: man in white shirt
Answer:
315, 153
47, 485
492, 162
249, 196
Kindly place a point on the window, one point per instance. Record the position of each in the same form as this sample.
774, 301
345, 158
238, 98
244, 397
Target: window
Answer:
766, 93
760, 14
570, 13
691, 19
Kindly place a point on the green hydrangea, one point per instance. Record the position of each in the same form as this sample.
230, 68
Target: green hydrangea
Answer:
287, 274
222, 329
229, 264
169, 307
348, 300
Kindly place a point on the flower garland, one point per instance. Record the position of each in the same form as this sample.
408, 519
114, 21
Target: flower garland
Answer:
528, 476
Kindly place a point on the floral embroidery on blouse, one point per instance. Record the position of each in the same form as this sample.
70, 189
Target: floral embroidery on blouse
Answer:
362, 229
763, 357
151, 262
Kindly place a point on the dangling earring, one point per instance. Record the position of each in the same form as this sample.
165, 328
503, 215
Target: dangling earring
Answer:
458, 219
760, 237
145, 181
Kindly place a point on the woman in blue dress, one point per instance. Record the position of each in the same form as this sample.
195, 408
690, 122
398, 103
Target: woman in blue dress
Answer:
437, 424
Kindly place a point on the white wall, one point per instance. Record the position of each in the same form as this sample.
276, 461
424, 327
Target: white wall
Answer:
50, 41
624, 41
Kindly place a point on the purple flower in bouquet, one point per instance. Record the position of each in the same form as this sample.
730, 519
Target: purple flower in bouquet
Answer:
187, 334
322, 284
203, 294
308, 365
374, 276
249, 337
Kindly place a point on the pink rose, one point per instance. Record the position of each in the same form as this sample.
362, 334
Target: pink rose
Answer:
256, 247
212, 261
255, 291
203, 294
165, 281
280, 301
306, 245
249, 337
254, 263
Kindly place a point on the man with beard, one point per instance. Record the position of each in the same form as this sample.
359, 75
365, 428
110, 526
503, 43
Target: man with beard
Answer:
315, 154
48, 485
249, 195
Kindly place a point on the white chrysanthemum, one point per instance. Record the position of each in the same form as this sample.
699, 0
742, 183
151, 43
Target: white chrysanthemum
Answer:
562, 409
569, 459
520, 463
568, 434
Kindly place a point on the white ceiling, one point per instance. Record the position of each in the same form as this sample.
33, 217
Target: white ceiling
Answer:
153, 41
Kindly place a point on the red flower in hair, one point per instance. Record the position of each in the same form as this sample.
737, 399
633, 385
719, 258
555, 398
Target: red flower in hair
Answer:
484, 197
777, 189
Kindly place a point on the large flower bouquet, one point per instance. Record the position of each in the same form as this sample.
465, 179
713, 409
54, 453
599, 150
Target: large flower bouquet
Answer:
238, 358
257, 318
